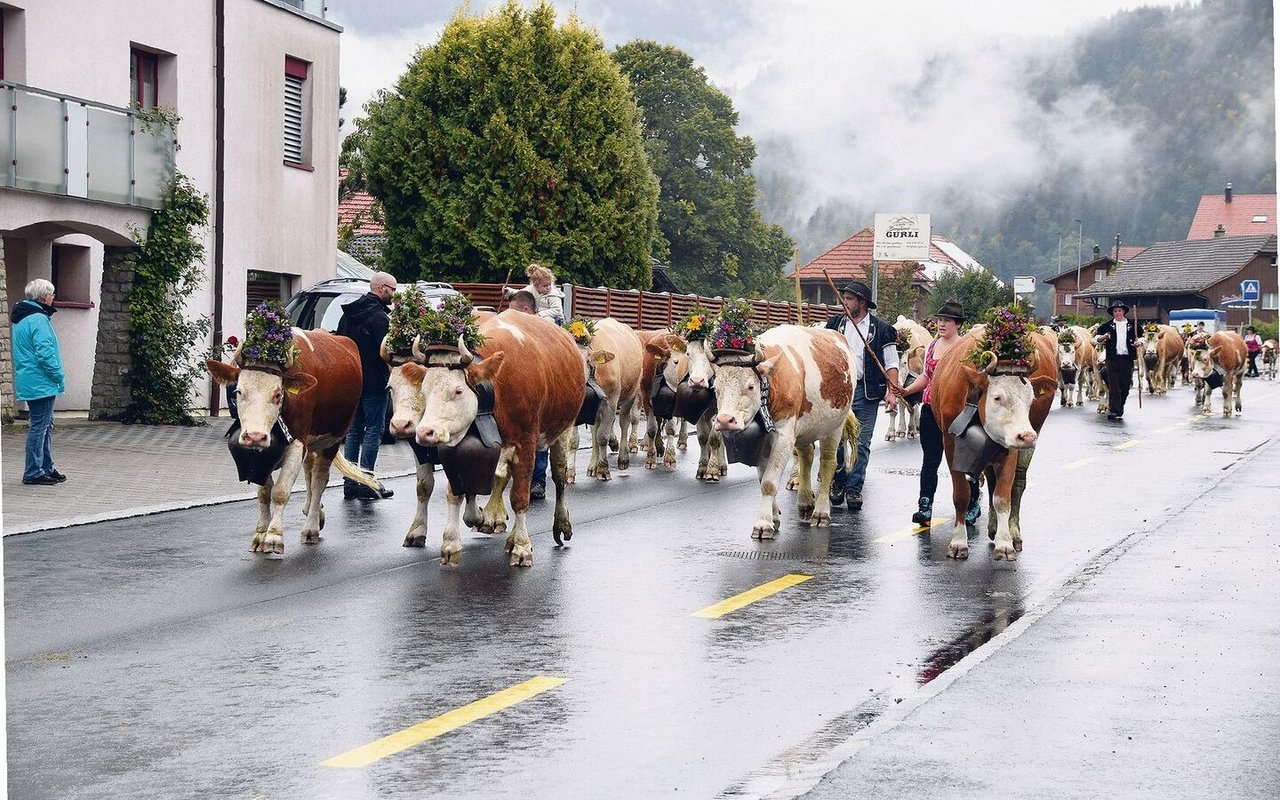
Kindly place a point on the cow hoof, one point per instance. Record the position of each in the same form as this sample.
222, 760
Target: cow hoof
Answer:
450, 555
1006, 553
669, 461
562, 533
761, 531
321, 517
820, 520
683, 445
804, 511
624, 464
522, 557
958, 550
415, 540
311, 537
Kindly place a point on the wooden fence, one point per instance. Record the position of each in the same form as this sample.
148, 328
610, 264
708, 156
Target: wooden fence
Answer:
653, 310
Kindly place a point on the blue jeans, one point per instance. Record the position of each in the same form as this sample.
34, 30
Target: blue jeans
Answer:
540, 466
865, 410
365, 434
39, 439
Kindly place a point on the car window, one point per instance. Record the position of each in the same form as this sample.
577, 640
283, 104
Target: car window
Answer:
329, 309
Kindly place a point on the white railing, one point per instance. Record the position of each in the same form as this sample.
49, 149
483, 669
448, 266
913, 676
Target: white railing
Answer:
80, 148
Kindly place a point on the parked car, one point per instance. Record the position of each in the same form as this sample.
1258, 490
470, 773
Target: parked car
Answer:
321, 307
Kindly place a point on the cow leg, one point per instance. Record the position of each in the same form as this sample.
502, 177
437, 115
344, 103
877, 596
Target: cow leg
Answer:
264, 511
709, 443
599, 468
561, 455
1019, 486
272, 541
770, 473
518, 544
913, 429
624, 428
451, 542
826, 475
417, 533
719, 464
495, 511
801, 470
683, 440
571, 467
959, 545
316, 474
1236, 393
652, 442
667, 435
1006, 471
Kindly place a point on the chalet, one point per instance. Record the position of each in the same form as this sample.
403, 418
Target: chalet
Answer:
1068, 284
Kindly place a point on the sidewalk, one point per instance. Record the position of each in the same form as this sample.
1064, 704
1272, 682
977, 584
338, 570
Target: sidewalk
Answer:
115, 471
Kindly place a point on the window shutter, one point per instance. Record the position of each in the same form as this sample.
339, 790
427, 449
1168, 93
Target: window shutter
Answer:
293, 119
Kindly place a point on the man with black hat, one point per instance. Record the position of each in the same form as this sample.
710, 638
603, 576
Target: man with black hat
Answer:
871, 339
1121, 339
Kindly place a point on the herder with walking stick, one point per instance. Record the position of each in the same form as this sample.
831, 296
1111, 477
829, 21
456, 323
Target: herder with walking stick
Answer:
1120, 337
874, 343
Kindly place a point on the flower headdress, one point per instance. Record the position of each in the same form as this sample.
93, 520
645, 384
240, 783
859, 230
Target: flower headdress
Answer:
581, 329
453, 320
733, 330
695, 325
1150, 328
931, 325
408, 308
904, 339
268, 337
1198, 342
1066, 337
1007, 336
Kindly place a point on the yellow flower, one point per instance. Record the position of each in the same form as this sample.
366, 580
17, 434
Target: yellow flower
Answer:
694, 323
578, 328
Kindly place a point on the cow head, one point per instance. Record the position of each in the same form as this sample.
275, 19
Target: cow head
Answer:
672, 351
407, 402
1004, 404
1201, 361
701, 371
449, 404
259, 397
737, 392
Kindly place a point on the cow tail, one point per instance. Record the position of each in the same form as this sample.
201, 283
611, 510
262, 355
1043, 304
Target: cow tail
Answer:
850, 441
355, 473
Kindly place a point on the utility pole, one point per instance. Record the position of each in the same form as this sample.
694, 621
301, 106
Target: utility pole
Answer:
1079, 241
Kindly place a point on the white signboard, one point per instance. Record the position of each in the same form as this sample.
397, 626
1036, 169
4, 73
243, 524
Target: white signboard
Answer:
1024, 285
901, 237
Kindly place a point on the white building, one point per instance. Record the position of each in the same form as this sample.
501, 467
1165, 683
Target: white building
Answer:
255, 83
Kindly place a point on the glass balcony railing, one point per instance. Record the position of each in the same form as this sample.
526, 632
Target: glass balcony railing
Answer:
78, 148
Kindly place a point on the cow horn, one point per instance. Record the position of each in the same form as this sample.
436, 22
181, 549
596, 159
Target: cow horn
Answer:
1035, 361
384, 351
991, 367
466, 354
417, 351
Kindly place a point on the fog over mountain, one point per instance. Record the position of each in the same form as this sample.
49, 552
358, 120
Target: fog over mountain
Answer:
1007, 121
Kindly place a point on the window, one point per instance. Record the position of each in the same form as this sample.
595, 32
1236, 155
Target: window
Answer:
261, 286
144, 79
1100, 273
1065, 298
13, 50
70, 275
1269, 300
295, 111
1259, 218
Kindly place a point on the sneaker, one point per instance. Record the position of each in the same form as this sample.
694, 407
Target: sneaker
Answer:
42, 480
382, 493
925, 515
854, 499
58, 476
537, 491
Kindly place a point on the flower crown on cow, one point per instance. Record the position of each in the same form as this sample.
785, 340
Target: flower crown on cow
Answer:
1198, 342
1007, 337
733, 330
1066, 337
696, 325
408, 308
444, 326
268, 337
1150, 328
582, 330
904, 339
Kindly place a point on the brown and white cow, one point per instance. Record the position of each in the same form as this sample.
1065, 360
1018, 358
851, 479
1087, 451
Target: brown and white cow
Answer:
1269, 350
1078, 366
538, 381
315, 399
1160, 358
665, 366
904, 422
810, 374
1227, 357
616, 356
713, 461
1011, 410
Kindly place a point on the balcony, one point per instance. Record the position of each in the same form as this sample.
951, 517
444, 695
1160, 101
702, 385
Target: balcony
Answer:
68, 146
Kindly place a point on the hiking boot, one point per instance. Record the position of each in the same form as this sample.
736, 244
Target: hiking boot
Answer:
974, 510
925, 515
382, 492
537, 491
836, 495
854, 499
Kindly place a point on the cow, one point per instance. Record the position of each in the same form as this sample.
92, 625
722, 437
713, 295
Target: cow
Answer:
1159, 358
810, 389
1269, 348
713, 461
309, 404
616, 357
1010, 410
665, 366
1225, 359
1077, 358
538, 381
904, 421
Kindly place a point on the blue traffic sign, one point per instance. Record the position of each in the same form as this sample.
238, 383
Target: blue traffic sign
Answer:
1250, 291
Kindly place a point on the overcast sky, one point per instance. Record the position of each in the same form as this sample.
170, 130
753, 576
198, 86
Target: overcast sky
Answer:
883, 102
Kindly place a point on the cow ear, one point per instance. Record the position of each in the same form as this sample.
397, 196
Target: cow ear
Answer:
485, 371
298, 382
658, 349
976, 378
413, 373
221, 371
602, 357
1044, 385
766, 367
676, 343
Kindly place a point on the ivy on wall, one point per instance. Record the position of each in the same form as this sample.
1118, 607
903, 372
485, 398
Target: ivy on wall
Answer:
164, 343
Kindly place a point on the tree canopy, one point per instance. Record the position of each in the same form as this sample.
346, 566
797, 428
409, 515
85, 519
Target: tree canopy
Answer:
511, 140
975, 289
713, 235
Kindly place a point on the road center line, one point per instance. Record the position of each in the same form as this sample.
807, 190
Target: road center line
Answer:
417, 734
1078, 463
1130, 443
907, 533
750, 596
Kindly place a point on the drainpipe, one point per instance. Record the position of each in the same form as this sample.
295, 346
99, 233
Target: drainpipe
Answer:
219, 158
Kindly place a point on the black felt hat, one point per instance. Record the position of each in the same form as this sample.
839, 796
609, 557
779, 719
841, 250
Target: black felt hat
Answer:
859, 289
952, 310
1118, 303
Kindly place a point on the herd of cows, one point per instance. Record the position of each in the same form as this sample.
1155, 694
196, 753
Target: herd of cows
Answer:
482, 416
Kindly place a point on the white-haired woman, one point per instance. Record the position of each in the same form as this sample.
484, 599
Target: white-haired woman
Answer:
38, 378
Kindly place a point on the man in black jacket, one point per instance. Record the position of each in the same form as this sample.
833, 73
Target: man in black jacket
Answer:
881, 339
366, 321
1121, 339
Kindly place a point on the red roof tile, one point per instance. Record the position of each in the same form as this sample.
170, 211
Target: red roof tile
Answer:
1237, 217
360, 210
851, 259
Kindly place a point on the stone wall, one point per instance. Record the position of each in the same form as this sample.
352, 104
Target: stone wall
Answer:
7, 396
111, 396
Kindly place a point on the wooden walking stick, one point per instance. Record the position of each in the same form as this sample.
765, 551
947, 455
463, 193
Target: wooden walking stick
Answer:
892, 384
502, 299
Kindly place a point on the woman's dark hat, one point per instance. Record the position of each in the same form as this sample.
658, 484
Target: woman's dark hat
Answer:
859, 289
1118, 303
951, 310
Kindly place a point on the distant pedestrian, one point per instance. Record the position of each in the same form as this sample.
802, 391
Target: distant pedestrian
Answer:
1253, 343
950, 317
1121, 340
874, 340
366, 321
38, 378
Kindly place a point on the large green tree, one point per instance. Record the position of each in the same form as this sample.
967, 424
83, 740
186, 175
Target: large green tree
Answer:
715, 239
513, 139
975, 289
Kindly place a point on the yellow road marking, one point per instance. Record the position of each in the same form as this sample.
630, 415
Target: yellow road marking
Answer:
417, 734
750, 596
1078, 463
1175, 426
907, 533
1130, 443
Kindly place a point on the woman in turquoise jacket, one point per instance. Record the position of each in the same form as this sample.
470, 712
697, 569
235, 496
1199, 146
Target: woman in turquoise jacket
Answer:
38, 378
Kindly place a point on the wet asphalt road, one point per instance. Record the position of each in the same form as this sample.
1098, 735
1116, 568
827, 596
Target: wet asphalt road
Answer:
157, 657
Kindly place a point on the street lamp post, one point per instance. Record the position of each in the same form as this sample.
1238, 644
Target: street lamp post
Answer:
1079, 241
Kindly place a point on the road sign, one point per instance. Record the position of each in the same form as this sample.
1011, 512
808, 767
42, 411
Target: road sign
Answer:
1024, 284
901, 237
1250, 290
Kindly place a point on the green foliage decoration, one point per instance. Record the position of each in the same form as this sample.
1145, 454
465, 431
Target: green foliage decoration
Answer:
510, 140
163, 342
696, 325
1007, 334
268, 337
442, 327
582, 330
408, 308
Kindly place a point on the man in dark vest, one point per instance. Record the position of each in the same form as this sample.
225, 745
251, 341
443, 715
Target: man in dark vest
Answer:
1121, 339
880, 338
366, 320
